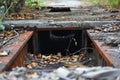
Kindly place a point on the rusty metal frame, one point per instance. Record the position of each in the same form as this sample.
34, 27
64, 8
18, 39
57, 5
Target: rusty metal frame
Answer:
17, 54
102, 52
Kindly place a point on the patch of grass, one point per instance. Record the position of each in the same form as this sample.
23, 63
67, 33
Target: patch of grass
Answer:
34, 4
106, 3
115, 3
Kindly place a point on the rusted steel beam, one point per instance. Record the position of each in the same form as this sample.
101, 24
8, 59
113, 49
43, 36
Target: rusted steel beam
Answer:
104, 54
35, 43
17, 52
18, 60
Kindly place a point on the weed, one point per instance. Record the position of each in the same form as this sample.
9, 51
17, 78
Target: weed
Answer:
107, 3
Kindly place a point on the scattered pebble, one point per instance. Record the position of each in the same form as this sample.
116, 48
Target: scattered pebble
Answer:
5, 53
62, 73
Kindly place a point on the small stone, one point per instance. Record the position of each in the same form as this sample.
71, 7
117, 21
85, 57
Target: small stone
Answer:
1, 74
2, 36
29, 66
39, 56
34, 64
4, 53
62, 72
59, 54
34, 75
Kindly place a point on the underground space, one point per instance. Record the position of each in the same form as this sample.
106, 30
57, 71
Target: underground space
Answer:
57, 48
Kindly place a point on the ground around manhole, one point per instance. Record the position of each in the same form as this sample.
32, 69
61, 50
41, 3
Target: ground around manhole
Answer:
46, 67
91, 13
107, 37
8, 38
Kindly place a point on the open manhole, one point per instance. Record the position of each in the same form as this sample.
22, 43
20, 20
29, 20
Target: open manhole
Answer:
61, 9
59, 48
57, 9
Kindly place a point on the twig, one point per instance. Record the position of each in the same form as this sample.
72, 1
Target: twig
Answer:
7, 10
17, 34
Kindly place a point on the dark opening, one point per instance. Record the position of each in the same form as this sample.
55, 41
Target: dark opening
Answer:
67, 43
60, 9
64, 41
